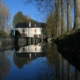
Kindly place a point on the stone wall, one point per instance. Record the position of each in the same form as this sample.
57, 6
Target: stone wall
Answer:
6, 40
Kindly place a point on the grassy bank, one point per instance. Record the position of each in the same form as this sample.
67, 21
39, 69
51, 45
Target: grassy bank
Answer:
69, 43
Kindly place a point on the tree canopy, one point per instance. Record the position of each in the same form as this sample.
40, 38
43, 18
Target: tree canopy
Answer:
19, 18
50, 25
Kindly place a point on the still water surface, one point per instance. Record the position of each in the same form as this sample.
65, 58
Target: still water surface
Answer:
36, 62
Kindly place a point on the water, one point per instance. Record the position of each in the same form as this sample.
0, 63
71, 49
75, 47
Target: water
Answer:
39, 61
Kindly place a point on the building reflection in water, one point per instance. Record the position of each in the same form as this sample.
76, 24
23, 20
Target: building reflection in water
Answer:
26, 54
32, 50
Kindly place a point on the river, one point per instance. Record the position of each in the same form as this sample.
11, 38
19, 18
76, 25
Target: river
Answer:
39, 61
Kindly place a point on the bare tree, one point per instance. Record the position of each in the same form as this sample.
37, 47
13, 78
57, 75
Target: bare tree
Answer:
45, 7
4, 15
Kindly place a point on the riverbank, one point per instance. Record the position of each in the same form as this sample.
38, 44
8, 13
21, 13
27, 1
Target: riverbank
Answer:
6, 40
69, 43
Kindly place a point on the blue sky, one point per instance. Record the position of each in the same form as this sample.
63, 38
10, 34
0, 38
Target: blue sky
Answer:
30, 10
18, 5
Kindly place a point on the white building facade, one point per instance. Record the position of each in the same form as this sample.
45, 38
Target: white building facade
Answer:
31, 29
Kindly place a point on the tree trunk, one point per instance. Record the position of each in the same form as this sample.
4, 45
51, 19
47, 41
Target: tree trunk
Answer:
77, 14
69, 15
63, 20
56, 18
59, 18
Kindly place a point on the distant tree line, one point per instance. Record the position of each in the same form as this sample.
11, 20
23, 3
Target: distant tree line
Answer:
59, 13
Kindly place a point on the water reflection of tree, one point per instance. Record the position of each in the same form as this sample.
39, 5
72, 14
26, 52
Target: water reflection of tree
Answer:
48, 72
77, 74
6, 48
5, 65
50, 52
62, 66
21, 59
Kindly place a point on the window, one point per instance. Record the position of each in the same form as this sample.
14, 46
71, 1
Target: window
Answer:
23, 49
35, 30
35, 49
23, 30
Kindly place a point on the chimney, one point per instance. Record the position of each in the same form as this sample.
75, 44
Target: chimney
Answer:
29, 23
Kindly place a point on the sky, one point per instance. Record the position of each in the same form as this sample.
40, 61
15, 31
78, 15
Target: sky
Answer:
18, 5
29, 9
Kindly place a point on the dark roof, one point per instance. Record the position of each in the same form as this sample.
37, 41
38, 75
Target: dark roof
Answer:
24, 25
